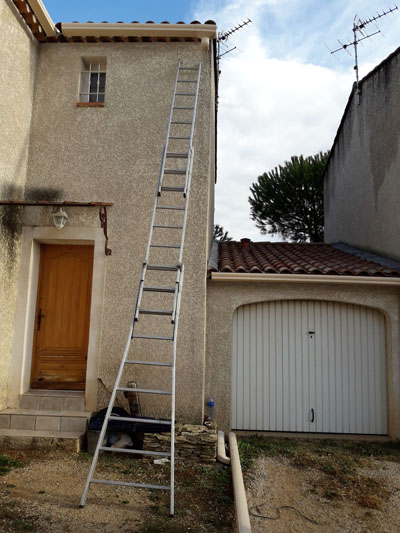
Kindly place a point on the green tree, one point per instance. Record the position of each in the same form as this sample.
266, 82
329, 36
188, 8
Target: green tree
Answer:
220, 234
289, 199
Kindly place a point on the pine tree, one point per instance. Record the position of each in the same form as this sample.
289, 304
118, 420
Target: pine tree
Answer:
289, 199
220, 234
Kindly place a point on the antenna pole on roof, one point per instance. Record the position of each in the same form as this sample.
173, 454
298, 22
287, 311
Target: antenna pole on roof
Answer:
358, 27
223, 36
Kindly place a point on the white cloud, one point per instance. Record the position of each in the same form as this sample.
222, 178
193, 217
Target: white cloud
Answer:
274, 102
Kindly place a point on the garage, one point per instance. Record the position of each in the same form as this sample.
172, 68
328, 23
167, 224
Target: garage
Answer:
309, 366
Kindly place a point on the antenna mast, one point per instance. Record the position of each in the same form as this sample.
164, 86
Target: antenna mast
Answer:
358, 36
223, 36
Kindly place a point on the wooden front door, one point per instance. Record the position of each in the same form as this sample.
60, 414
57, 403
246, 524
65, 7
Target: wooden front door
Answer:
62, 317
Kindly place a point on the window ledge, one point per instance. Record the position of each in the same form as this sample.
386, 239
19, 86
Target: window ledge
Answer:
90, 104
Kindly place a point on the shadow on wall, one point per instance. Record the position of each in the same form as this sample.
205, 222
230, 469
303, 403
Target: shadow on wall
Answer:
11, 217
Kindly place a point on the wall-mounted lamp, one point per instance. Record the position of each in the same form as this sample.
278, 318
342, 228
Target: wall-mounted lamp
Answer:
60, 218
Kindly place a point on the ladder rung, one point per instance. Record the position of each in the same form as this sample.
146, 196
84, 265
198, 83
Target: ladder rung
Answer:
152, 337
165, 246
150, 391
167, 188
129, 484
167, 227
183, 107
151, 363
178, 155
168, 268
174, 171
144, 420
185, 94
187, 81
176, 137
188, 68
127, 450
161, 312
174, 207
181, 122
159, 289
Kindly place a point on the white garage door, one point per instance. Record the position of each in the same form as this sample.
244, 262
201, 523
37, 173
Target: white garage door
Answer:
309, 366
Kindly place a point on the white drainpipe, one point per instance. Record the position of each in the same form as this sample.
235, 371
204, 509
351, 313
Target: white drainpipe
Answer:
242, 512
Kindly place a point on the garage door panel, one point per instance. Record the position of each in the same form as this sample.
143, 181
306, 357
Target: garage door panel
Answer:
252, 367
278, 399
259, 375
292, 358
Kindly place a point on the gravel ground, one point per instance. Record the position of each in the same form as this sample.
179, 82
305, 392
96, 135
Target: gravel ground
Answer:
274, 483
43, 495
46, 493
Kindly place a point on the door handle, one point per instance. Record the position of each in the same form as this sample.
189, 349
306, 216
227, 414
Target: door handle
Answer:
39, 319
312, 415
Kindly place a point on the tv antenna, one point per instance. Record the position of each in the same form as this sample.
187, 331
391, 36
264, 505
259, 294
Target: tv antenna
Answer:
223, 36
359, 34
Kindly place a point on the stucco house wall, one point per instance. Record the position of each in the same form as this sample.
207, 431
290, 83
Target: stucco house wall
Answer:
224, 297
113, 154
362, 186
18, 51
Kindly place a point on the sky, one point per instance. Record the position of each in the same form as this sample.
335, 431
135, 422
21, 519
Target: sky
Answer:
281, 91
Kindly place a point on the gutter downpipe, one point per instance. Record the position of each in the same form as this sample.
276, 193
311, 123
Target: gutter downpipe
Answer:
242, 512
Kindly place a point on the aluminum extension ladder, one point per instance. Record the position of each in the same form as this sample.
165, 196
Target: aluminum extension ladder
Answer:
186, 90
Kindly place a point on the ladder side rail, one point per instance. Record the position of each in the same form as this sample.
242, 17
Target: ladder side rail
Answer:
185, 213
172, 459
177, 283
192, 128
140, 292
106, 418
171, 112
153, 216
186, 185
195, 106
161, 172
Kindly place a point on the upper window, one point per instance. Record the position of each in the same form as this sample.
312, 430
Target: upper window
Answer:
93, 79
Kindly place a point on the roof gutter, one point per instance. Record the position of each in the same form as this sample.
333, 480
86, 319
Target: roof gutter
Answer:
304, 278
43, 17
200, 31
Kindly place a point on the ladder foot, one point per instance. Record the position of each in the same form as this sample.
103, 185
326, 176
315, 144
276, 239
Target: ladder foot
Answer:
81, 506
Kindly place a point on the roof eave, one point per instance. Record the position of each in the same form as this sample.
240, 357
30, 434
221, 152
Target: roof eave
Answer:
305, 278
43, 17
199, 31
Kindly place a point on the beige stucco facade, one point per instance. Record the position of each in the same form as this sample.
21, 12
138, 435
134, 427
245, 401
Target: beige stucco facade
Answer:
362, 187
19, 50
112, 154
224, 297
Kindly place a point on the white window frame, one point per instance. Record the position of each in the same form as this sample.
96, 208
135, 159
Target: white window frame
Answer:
91, 67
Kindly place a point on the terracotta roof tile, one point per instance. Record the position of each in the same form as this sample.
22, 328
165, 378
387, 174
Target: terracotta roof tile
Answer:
294, 258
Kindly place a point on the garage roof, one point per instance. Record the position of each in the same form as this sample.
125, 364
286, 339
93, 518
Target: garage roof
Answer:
295, 258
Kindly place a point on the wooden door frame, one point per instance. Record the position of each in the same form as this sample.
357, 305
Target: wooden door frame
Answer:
48, 250
27, 286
